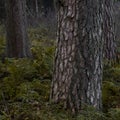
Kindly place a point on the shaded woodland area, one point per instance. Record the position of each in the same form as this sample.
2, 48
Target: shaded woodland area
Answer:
59, 60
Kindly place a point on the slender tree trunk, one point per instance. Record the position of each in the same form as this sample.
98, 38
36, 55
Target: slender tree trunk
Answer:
36, 8
48, 6
17, 38
109, 31
78, 59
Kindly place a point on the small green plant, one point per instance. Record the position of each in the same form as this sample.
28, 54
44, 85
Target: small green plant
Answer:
114, 114
111, 87
90, 113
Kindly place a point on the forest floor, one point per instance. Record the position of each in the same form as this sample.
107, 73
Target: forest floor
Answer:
25, 85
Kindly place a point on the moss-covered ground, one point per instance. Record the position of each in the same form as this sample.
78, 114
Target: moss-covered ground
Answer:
25, 85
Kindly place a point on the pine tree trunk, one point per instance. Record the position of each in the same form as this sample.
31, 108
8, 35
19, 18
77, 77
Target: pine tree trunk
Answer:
90, 51
109, 31
78, 59
64, 85
17, 38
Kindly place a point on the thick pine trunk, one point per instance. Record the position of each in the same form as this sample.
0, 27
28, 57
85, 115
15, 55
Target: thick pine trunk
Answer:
64, 85
78, 59
109, 31
90, 51
17, 38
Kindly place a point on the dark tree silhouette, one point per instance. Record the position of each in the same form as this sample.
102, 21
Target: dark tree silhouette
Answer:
17, 38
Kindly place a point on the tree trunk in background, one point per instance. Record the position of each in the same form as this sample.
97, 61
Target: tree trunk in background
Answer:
36, 8
78, 59
48, 6
109, 31
2, 10
17, 38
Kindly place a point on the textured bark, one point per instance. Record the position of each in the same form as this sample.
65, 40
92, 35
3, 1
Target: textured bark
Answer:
78, 59
64, 84
17, 39
109, 31
91, 51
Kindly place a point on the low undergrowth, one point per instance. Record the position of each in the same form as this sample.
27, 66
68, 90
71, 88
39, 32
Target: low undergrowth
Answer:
25, 86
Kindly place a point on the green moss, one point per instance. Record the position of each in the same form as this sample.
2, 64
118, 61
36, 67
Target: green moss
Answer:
90, 113
114, 114
112, 74
111, 87
111, 95
25, 85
